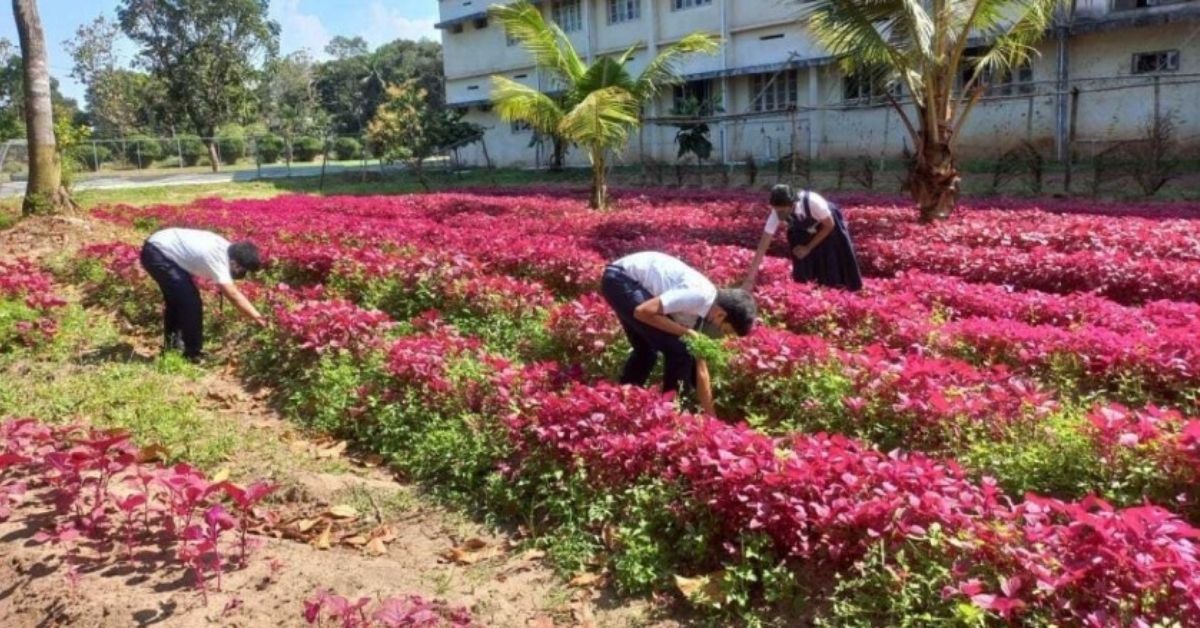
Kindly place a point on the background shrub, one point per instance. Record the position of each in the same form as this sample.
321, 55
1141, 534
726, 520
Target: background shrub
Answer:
142, 151
306, 148
269, 147
347, 148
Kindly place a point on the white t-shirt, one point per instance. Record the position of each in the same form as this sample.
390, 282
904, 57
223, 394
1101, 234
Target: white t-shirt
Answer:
686, 295
201, 253
818, 207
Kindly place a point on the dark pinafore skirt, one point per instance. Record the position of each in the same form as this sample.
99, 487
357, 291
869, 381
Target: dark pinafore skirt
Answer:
833, 263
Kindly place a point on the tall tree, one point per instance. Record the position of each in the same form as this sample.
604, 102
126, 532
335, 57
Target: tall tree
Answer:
342, 47
599, 104
944, 53
44, 193
407, 129
352, 85
206, 54
120, 101
289, 100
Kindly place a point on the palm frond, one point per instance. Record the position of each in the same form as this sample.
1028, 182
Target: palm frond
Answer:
545, 42
662, 71
604, 72
601, 120
515, 102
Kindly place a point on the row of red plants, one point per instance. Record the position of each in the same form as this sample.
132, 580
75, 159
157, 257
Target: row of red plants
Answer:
825, 500
30, 289
106, 495
911, 399
549, 230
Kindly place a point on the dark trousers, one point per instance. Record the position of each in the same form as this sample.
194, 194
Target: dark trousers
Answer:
624, 294
183, 313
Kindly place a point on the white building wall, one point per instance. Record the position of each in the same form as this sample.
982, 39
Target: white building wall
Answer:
1113, 104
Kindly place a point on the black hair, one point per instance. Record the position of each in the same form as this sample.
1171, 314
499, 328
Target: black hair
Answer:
246, 255
782, 195
740, 310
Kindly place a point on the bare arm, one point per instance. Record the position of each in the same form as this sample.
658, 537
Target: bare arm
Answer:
704, 388
763, 244
651, 313
822, 233
242, 303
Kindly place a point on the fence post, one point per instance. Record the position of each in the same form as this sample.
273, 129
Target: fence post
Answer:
178, 149
95, 158
257, 157
138, 146
364, 159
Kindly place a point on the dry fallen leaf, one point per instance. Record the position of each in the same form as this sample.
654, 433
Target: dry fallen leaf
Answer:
343, 511
541, 621
373, 460
385, 534
153, 453
299, 446
375, 547
332, 452
220, 476
586, 579
324, 541
304, 525
706, 588
357, 540
472, 551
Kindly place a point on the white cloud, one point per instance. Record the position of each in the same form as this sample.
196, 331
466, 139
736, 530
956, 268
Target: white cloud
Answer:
387, 25
299, 30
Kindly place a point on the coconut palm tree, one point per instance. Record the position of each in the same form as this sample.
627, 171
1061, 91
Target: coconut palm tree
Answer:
944, 53
594, 106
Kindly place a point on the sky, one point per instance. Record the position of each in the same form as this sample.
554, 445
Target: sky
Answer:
304, 24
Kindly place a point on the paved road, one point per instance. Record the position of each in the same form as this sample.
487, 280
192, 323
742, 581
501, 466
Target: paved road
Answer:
134, 180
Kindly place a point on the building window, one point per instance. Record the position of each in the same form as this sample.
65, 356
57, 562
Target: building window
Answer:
687, 4
1007, 83
481, 23
567, 14
456, 28
774, 91
520, 126
1012, 82
863, 89
1155, 62
1129, 5
694, 98
509, 40
624, 11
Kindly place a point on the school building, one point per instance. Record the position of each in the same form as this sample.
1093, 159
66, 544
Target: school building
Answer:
1103, 72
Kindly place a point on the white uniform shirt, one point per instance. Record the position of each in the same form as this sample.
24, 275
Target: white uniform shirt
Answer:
201, 253
686, 295
818, 207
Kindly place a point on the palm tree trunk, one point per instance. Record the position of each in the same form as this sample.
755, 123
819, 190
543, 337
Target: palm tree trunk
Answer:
934, 179
599, 186
44, 192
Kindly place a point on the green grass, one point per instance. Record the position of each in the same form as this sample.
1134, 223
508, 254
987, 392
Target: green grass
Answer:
90, 375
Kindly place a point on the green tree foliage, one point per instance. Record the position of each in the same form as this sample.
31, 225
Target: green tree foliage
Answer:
205, 52
352, 85
407, 129
597, 106
944, 54
290, 100
347, 148
120, 101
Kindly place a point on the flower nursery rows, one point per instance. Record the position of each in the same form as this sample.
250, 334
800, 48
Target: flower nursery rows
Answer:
435, 401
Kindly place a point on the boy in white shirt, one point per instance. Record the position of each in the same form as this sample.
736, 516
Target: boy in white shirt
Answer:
173, 257
659, 299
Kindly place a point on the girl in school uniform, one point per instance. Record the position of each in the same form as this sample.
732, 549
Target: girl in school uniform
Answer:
819, 243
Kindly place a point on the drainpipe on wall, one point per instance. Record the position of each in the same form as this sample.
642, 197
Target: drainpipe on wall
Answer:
725, 96
1062, 30
651, 52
